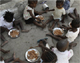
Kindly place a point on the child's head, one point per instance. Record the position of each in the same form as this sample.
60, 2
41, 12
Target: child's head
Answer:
75, 23
49, 57
32, 3
8, 16
59, 4
62, 45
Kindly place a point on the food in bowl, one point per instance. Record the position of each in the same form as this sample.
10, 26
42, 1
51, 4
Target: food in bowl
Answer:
32, 55
14, 33
58, 32
41, 17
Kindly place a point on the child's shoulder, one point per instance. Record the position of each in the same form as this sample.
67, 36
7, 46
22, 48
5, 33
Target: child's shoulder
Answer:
63, 8
28, 7
1, 18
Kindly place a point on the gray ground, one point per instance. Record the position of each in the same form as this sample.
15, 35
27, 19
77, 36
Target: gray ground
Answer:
21, 44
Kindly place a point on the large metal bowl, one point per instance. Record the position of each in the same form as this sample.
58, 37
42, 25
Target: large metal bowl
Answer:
26, 54
58, 29
11, 31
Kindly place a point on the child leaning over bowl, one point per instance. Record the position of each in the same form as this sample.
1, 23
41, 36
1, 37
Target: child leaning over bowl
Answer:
56, 54
72, 32
7, 22
30, 12
58, 11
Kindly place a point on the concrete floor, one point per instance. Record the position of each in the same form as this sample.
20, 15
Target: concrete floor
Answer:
21, 44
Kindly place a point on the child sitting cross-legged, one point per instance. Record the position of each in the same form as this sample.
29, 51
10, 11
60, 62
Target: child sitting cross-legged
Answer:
30, 13
58, 12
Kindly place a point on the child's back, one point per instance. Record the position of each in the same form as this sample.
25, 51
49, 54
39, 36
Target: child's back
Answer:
62, 53
74, 31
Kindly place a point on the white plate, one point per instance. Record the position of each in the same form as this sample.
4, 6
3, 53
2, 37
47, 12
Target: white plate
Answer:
33, 60
58, 29
11, 31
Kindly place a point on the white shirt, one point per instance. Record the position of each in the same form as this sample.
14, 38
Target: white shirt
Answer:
57, 13
63, 57
26, 14
6, 24
71, 36
2, 61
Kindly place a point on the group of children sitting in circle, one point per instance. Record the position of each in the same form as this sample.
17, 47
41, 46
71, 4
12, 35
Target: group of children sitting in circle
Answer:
63, 50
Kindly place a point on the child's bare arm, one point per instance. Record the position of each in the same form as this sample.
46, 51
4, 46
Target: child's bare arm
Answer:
40, 12
44, 47
4, 28
32, 14
63, 37
51, 10
65, 27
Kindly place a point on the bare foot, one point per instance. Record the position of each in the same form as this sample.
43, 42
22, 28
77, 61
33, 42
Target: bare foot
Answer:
14, 56
49, 34
7, 51
24, 31
4, 43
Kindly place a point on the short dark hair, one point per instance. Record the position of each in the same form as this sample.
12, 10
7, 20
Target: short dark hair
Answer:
75, 23
49, 56
62, 45
30, 1
8, 16
60, 1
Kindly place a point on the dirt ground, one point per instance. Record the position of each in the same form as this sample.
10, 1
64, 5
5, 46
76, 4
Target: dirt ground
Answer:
21, 44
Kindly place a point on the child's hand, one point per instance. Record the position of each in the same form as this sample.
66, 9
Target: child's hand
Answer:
38, 19
46, 11
40, 13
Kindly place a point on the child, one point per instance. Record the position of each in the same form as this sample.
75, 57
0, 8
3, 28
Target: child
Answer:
62, 52
72, 32
47, 55
69, 9
29, 13
58, 11
7, 22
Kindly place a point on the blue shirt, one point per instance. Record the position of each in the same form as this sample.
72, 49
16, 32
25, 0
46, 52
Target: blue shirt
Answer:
66, 4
